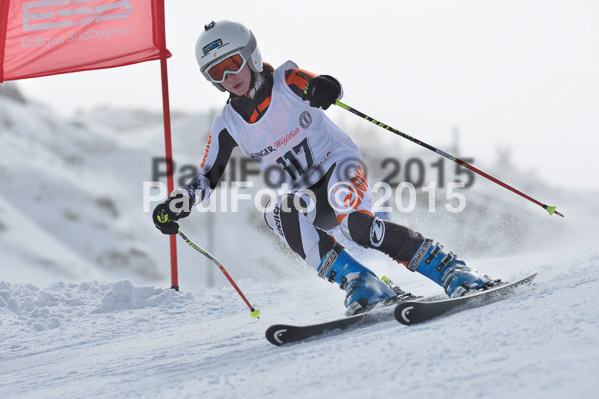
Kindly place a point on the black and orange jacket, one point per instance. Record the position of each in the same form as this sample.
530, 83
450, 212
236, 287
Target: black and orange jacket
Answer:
251, 110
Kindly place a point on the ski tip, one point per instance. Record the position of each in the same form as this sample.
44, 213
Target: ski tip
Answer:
402, 313
277, 334
530, 278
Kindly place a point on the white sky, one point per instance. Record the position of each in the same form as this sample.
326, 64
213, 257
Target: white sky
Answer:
515, 73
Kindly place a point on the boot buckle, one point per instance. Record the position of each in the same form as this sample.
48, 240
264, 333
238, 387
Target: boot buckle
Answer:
450, 257
437, 248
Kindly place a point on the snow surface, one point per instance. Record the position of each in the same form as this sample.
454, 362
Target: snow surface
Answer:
85, 308
124, 340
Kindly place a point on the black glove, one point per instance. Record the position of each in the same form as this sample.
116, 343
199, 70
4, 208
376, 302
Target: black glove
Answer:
177, 206
322, 91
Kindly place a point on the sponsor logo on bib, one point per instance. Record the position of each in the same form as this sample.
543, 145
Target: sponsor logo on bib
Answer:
305, 119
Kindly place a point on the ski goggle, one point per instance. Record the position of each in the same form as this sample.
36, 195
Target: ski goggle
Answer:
232, 64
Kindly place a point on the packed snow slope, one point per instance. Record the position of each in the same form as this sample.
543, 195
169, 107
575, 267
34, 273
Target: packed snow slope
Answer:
128, 341
85, 309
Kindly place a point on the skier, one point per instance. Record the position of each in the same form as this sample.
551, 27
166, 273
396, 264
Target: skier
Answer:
277, 119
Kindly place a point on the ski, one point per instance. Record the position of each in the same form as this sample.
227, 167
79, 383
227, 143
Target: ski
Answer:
408, 311
413, 312
280, 334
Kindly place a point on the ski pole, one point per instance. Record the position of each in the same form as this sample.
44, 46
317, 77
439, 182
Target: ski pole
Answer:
253, 312
550, 209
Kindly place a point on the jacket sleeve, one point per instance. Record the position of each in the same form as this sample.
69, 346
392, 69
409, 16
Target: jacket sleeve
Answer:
218, 151
297, 79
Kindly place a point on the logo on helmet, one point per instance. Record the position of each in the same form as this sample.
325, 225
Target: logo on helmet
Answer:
211, 46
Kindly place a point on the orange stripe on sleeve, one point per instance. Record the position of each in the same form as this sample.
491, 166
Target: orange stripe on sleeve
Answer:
298, 78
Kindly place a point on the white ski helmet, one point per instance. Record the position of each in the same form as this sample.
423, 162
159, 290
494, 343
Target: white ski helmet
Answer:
221, 40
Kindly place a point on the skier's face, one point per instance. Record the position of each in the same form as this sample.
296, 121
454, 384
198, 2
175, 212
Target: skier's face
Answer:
239, 83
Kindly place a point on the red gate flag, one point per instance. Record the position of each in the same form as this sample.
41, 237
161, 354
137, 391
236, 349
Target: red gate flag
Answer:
48, 37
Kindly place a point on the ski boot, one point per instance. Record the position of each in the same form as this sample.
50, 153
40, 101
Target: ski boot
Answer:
446, 270
363, 288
